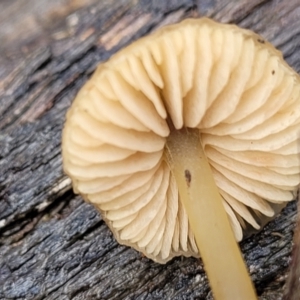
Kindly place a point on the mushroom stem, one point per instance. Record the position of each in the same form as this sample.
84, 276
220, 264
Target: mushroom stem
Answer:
199, 194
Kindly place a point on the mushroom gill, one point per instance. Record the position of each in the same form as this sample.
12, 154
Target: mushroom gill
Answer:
223, 82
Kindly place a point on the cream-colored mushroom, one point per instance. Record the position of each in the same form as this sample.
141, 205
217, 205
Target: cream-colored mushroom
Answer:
182, 131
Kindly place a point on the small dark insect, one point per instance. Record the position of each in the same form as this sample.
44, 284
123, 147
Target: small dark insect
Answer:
261, 41
273, 72
188, 177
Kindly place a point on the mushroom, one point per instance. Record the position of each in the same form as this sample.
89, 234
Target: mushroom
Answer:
184, 141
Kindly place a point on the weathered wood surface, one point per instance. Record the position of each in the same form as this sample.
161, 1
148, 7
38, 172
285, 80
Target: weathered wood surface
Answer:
292, 290
52, 244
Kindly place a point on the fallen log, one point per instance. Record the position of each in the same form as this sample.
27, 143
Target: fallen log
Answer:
52, 244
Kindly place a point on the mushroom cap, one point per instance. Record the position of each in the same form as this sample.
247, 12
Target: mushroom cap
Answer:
228, 83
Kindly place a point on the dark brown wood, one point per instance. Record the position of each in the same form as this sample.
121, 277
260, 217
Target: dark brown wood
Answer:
52, 244
292, 289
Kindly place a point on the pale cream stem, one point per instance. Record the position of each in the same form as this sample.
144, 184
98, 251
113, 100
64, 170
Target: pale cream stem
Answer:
199, 194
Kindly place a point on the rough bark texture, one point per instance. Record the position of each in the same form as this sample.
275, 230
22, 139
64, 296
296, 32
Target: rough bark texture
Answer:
292, 290
52, 244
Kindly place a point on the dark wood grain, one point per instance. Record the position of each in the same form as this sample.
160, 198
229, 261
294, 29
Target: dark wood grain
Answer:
52, 244
292, 289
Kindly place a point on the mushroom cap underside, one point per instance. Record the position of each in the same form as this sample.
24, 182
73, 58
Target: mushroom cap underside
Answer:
228, 83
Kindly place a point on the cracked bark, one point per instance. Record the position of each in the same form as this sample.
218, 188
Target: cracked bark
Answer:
52, 244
